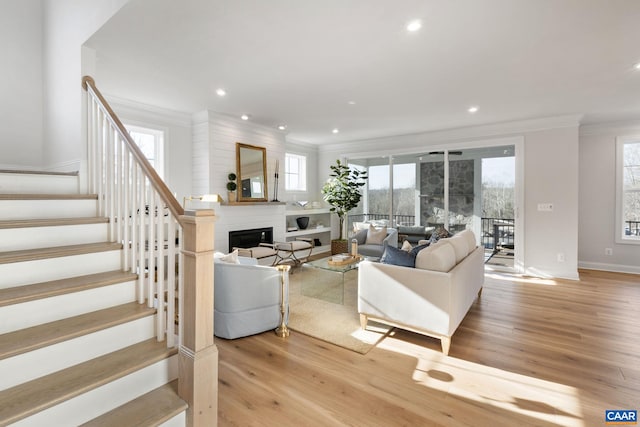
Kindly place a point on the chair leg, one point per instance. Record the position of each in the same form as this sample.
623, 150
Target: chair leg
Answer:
363, 321
446, 345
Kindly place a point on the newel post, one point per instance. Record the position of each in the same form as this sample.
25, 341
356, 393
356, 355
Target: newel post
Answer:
198, 356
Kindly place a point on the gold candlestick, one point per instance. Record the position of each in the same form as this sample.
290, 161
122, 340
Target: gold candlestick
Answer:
282, 330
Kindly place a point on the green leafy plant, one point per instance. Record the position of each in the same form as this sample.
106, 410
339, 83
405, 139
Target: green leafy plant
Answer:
343, 190
231, 185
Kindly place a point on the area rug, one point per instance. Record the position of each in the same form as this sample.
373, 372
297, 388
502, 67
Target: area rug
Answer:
336, 323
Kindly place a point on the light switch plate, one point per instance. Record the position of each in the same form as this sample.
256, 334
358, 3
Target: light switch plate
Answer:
545, 207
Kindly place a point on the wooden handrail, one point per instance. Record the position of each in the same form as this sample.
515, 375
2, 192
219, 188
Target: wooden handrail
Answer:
156, 182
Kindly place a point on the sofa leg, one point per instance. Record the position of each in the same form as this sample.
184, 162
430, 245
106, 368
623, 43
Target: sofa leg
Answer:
363, 321
480, 292
446, 344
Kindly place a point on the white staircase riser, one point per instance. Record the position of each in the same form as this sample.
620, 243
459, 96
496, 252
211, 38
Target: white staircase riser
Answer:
43, 361
42, 209
12, 183
16, 239
33, 313
105, 398
179, 420
44, 270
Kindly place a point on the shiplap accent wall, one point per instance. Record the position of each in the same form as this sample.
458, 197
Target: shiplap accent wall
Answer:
214, 157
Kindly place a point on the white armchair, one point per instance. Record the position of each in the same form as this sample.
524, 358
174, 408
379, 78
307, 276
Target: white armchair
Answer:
247, 298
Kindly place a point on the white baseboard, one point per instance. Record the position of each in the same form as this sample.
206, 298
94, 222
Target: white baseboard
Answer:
68, 166
617, 268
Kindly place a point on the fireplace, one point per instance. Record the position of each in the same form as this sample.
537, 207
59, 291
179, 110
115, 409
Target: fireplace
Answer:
250, 238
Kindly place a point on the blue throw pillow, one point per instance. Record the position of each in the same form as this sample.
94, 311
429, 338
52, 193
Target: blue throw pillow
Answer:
397, 256
417, 249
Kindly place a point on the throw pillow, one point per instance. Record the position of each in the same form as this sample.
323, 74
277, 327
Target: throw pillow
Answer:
418, 248
231, 258
439, 233
376, 237
397, 256
406, 246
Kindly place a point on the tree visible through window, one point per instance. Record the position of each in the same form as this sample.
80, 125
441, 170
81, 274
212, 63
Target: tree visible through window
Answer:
295, 172
628, 209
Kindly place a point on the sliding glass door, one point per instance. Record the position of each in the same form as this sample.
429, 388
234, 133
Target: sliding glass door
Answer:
454, 189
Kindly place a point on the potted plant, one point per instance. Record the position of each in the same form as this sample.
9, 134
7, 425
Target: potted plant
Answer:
231, 187
342, 193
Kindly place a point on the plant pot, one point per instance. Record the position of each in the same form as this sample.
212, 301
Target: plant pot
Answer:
231, 196
303, 222
339, 246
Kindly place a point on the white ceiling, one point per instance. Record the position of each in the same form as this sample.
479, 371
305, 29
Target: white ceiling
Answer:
300, 62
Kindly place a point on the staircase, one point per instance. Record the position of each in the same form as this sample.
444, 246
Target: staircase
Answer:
76, 348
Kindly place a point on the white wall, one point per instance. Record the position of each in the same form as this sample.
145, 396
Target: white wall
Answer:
67, 24
214, 157
551, 176
21, 84
177, 144
597, 200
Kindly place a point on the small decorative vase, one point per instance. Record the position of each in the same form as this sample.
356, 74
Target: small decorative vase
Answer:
232, 196
339, 246
303, 222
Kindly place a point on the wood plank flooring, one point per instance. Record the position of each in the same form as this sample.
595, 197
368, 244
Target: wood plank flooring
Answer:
531, 352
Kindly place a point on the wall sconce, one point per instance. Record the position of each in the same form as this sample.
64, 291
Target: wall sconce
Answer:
207, 198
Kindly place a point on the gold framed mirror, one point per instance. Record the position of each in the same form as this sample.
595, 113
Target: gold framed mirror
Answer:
251, 164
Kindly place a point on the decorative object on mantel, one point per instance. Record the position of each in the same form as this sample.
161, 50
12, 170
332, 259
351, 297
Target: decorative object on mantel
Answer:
275, 182
232, 187
342, 192
302, 203
207, 198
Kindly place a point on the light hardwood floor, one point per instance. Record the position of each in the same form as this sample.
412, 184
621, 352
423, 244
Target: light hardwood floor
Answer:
530, 352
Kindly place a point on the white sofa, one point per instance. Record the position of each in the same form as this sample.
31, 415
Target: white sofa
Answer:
430, 299
247, 298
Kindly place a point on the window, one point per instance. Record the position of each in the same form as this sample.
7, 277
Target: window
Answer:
151, 142
295, 172
628, 190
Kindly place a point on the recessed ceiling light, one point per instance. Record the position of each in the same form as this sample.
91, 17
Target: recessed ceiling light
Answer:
282, 127
473, 109
335, 130
351, 102
244, 117
414, 25
221, 92
637, 66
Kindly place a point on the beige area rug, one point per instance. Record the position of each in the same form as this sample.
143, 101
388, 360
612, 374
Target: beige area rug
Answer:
321, 308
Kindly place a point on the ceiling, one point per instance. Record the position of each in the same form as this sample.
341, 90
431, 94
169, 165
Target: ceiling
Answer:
301, 62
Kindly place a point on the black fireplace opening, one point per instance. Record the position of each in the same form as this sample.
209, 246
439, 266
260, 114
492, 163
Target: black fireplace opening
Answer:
250, 238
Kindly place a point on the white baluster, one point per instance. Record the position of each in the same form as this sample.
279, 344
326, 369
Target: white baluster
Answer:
171, 280
151, 259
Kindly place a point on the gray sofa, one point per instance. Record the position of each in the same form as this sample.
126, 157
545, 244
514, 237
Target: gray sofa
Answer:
375, 251
414, 233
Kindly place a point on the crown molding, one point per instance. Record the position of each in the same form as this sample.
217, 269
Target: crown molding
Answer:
616, 128
127, 108
463, 134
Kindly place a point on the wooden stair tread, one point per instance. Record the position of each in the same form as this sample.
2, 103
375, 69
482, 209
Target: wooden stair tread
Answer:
150, 409
29, 339
25, 293
48, 196
37, 172
53, 222
34, 396
57, 251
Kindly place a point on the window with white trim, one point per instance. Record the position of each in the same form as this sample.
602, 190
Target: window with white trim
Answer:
295, 172
151, 143
628, 190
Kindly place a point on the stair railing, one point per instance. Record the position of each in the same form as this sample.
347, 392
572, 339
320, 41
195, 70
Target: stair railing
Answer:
143, 213
147, 218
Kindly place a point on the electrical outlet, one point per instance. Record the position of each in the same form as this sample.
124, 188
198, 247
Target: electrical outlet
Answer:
560, 257
608, 251
545, 207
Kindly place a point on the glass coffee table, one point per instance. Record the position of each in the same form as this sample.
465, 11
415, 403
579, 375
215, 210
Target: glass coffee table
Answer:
324, 281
